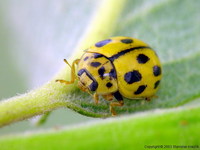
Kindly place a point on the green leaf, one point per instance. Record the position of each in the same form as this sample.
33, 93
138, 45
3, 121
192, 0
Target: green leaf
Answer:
175, 127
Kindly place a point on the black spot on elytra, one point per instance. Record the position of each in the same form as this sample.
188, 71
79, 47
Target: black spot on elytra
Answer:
156, 70
156, 84
80, 72
142, 59
132, 76
96, 55
109, 84
127, 41
101, 72
95, 64
102, 43
93, 86
140, 89
85, 58
112, 73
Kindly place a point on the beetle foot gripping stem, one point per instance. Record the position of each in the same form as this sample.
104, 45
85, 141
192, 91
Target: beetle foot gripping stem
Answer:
112, 104
96, 98
120, 102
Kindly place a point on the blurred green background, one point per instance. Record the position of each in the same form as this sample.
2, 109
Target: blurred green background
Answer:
35, 36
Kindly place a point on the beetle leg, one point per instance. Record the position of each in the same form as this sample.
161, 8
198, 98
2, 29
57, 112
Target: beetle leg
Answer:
96, 98
108, 97
73, 74
120, 102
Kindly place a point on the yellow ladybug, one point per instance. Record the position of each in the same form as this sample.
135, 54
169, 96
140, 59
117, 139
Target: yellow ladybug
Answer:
118, 67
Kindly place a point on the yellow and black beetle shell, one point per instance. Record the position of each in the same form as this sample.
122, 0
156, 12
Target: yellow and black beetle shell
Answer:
118, 67
122, 64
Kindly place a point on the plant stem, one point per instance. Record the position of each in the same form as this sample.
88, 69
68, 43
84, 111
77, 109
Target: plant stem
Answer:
29, 105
